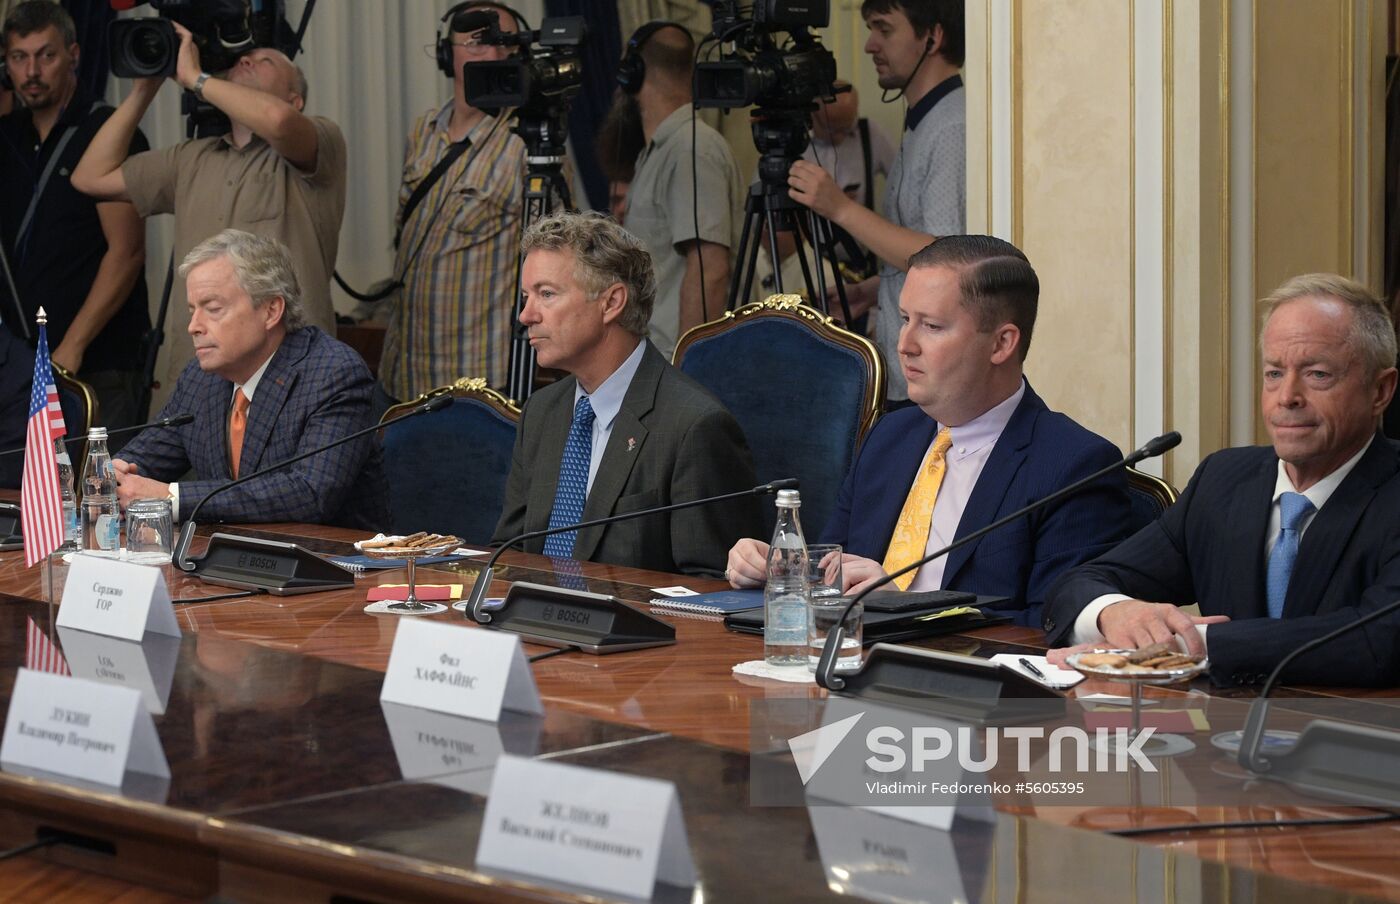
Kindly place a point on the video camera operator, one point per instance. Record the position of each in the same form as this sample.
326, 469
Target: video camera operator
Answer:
652, 121
78, 259
278, 173
459, 224
917, 47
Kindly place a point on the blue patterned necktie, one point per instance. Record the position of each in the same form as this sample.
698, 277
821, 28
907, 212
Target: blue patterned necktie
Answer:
572, 491
1292, 508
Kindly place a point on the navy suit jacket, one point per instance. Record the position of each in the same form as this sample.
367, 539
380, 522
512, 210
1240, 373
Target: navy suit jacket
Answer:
1209, 548
316, 389
1039, 452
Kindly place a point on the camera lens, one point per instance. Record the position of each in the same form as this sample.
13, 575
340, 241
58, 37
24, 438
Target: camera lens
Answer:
146, 48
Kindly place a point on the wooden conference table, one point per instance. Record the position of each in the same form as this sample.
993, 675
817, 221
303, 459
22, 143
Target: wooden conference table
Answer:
290, 781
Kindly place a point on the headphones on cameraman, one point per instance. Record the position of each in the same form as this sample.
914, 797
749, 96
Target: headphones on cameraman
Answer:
443, 44
633, 69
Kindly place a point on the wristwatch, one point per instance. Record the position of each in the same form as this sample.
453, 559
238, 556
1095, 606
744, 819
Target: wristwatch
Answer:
198, 88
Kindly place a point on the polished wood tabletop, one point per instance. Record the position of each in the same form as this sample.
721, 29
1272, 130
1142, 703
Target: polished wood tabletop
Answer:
285, 764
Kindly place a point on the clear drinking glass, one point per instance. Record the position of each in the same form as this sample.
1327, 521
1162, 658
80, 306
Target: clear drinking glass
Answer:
824, 570
824, 579
821, 618
148, 531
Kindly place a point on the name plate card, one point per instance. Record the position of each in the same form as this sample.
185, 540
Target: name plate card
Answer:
616, 833
460, 671
79, 728
115, 598
148, 666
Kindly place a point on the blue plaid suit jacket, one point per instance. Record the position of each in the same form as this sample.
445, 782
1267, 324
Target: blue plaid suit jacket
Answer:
315, 390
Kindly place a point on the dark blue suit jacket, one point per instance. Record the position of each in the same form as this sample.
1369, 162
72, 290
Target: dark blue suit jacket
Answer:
316, 389
1208, 548
1039, 452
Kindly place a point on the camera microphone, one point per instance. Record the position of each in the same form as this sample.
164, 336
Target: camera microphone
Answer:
474, 20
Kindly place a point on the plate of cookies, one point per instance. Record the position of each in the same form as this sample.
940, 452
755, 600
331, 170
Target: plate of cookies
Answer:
413, 546
1159, 663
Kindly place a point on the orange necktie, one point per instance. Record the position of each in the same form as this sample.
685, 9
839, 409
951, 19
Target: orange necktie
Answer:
237, 423
910, 538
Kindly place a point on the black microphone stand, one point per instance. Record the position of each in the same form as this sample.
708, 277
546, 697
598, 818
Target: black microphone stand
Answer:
826, 665
180, 554
175, 420
473, 608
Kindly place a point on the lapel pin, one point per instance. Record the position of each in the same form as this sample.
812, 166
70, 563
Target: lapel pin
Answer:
631, 443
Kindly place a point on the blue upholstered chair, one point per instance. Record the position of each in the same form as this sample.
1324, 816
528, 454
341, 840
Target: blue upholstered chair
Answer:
79, 404
804, 390
447, 471
1149, 496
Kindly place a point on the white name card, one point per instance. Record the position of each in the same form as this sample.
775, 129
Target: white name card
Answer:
869, 856
460, 671
79, 728
148, 666
584, 827
119, 599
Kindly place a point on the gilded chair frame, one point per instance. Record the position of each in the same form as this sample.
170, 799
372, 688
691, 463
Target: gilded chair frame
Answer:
66, 381
464, 388
1163, 493
792, 307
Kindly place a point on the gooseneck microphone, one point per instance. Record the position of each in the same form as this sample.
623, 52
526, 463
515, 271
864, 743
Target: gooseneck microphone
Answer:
180, 555
175, 420
483, 580
1249, 755
826, 665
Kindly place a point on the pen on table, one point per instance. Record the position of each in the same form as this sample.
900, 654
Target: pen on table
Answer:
1030, 667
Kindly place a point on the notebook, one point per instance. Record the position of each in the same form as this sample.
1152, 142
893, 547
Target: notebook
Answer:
722, 602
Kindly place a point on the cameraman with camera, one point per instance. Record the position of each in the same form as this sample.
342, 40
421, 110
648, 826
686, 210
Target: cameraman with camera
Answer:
917, 47
278, 173
78, 259
459, 222
652, 115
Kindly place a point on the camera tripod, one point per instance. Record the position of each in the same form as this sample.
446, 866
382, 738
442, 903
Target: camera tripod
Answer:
781, 137
544, 185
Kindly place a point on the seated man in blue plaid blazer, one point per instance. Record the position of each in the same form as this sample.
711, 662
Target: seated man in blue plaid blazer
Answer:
263, 387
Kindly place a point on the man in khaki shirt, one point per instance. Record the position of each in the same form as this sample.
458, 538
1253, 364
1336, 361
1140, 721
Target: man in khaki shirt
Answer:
278, 173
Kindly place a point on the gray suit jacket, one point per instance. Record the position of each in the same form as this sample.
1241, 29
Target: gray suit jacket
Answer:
671, 442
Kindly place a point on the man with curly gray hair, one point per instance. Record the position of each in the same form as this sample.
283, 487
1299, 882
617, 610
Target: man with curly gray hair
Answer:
264, 386
626, 430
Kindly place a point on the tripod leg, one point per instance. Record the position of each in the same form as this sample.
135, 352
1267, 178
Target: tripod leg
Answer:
813, 299
772, 222
743, 263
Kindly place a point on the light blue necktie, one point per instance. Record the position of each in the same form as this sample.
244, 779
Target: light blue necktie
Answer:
1292, 508
572, 490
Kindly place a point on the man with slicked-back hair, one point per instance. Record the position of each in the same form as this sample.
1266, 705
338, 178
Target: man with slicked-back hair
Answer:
977, 445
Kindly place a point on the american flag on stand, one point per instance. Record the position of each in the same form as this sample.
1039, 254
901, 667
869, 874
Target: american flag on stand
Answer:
40, 500
40, 653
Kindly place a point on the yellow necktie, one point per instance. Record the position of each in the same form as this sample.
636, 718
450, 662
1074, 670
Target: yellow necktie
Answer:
911, 531
237, 424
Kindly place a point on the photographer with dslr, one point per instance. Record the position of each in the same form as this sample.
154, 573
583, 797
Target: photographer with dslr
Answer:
278, 173
78, 259
917, 47
652, 120
459, 222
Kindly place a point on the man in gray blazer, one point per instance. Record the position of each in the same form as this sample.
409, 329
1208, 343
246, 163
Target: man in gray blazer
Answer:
626, 431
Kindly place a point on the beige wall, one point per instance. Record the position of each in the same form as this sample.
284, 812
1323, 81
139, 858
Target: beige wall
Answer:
1170, 162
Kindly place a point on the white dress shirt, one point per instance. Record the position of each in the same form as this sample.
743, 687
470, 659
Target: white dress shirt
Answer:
1086, 625
606, 402
249, 387
972, 446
